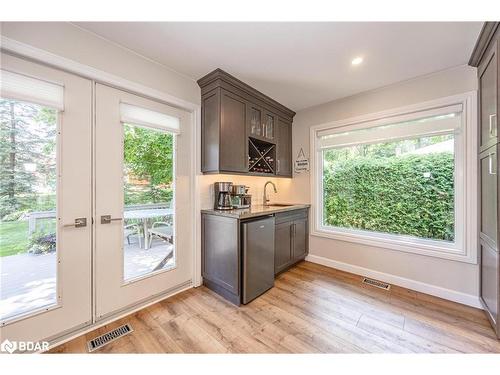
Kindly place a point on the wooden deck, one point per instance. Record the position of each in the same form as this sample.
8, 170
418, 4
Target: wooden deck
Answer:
311, 309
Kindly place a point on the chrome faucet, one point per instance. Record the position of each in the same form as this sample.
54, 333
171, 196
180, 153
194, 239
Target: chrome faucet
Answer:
266, 199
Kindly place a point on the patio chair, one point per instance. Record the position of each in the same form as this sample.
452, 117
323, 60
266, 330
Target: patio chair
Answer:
132, 230
162, 230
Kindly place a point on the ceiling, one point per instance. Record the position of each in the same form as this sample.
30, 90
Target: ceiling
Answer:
300, 64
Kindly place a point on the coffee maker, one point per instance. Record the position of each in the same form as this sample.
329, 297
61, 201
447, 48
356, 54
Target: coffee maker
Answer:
222, 191
240, 196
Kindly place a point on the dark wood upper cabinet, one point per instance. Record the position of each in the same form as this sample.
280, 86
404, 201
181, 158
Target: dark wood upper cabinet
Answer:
232, 148
236, 118
488, 79
284, 148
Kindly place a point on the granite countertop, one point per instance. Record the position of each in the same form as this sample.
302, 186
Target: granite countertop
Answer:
255, 211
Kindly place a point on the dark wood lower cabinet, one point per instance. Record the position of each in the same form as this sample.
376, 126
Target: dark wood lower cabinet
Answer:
282, 246
221, 256
291, 239
300, 239
490, 280
222, 244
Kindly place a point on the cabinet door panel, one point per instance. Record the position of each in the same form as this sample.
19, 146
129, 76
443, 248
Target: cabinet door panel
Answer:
282, 246
221, 258
233, 145
255, 120
488, 100
284, 148
489, 279
300, 239
488, 169
210, 133
270, 120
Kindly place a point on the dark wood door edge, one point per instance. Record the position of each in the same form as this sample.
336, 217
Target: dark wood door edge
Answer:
485, 36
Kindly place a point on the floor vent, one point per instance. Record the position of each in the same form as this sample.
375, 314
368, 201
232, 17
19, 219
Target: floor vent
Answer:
108, 337
376, 283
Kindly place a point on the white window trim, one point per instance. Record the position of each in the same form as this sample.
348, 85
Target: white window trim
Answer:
465, 248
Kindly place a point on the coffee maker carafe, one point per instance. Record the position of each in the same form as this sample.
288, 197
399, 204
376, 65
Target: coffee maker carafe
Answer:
222, 192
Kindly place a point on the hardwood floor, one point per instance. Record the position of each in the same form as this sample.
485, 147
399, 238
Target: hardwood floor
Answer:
311, 309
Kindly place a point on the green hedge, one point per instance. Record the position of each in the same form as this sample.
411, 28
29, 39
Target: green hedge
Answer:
392, 195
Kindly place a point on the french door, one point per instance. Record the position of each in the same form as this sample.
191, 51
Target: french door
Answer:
143, 201
96, 201
45, 191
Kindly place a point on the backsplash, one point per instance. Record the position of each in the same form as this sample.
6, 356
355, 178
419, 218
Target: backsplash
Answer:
256, 185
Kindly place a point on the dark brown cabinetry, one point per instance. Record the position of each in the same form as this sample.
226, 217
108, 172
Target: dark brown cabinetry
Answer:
221, 256
223, 249
488, 79
291, 239
485, 57
284, 148
234, 115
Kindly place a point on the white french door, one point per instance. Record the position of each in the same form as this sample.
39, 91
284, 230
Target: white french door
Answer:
143, 202
45, 191
92, 222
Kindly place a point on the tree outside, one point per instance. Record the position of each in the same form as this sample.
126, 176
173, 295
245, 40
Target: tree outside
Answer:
27, 171
28, 176
148, 165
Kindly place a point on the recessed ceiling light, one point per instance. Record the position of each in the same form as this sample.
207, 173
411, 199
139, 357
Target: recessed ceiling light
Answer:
357, 61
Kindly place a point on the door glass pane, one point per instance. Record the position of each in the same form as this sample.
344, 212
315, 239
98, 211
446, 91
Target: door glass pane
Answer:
28, 181
148, 231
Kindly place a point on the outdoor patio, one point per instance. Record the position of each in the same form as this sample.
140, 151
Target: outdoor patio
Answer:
28, 281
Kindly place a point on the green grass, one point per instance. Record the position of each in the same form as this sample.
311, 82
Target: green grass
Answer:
13, 237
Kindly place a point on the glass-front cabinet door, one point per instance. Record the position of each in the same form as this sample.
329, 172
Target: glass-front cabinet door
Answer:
254, 118
270, 120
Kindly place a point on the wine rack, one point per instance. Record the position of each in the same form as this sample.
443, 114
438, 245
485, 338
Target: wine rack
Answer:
261, 156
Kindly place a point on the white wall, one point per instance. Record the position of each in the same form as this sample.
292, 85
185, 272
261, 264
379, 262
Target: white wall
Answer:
448, 278
69, 41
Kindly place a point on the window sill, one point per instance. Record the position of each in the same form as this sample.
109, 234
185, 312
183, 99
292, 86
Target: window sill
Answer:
393, 242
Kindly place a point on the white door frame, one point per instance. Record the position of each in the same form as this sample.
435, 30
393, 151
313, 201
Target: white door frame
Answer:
15, 47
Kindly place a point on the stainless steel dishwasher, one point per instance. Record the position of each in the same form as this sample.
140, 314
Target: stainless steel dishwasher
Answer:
258, 256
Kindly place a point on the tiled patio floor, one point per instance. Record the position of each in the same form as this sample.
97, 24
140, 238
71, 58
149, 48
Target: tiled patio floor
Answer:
28, 281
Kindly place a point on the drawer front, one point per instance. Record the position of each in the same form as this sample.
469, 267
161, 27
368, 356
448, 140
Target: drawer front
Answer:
282, 217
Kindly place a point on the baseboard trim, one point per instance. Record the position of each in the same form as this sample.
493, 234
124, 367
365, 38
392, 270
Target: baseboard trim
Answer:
448, 294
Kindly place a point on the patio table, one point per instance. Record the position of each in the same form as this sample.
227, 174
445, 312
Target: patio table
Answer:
144, 215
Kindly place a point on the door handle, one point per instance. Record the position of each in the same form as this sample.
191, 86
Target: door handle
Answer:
490, 164
107, 219
493, 133
79, 223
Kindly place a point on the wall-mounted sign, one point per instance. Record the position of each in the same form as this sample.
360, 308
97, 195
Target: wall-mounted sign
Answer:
301, 163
